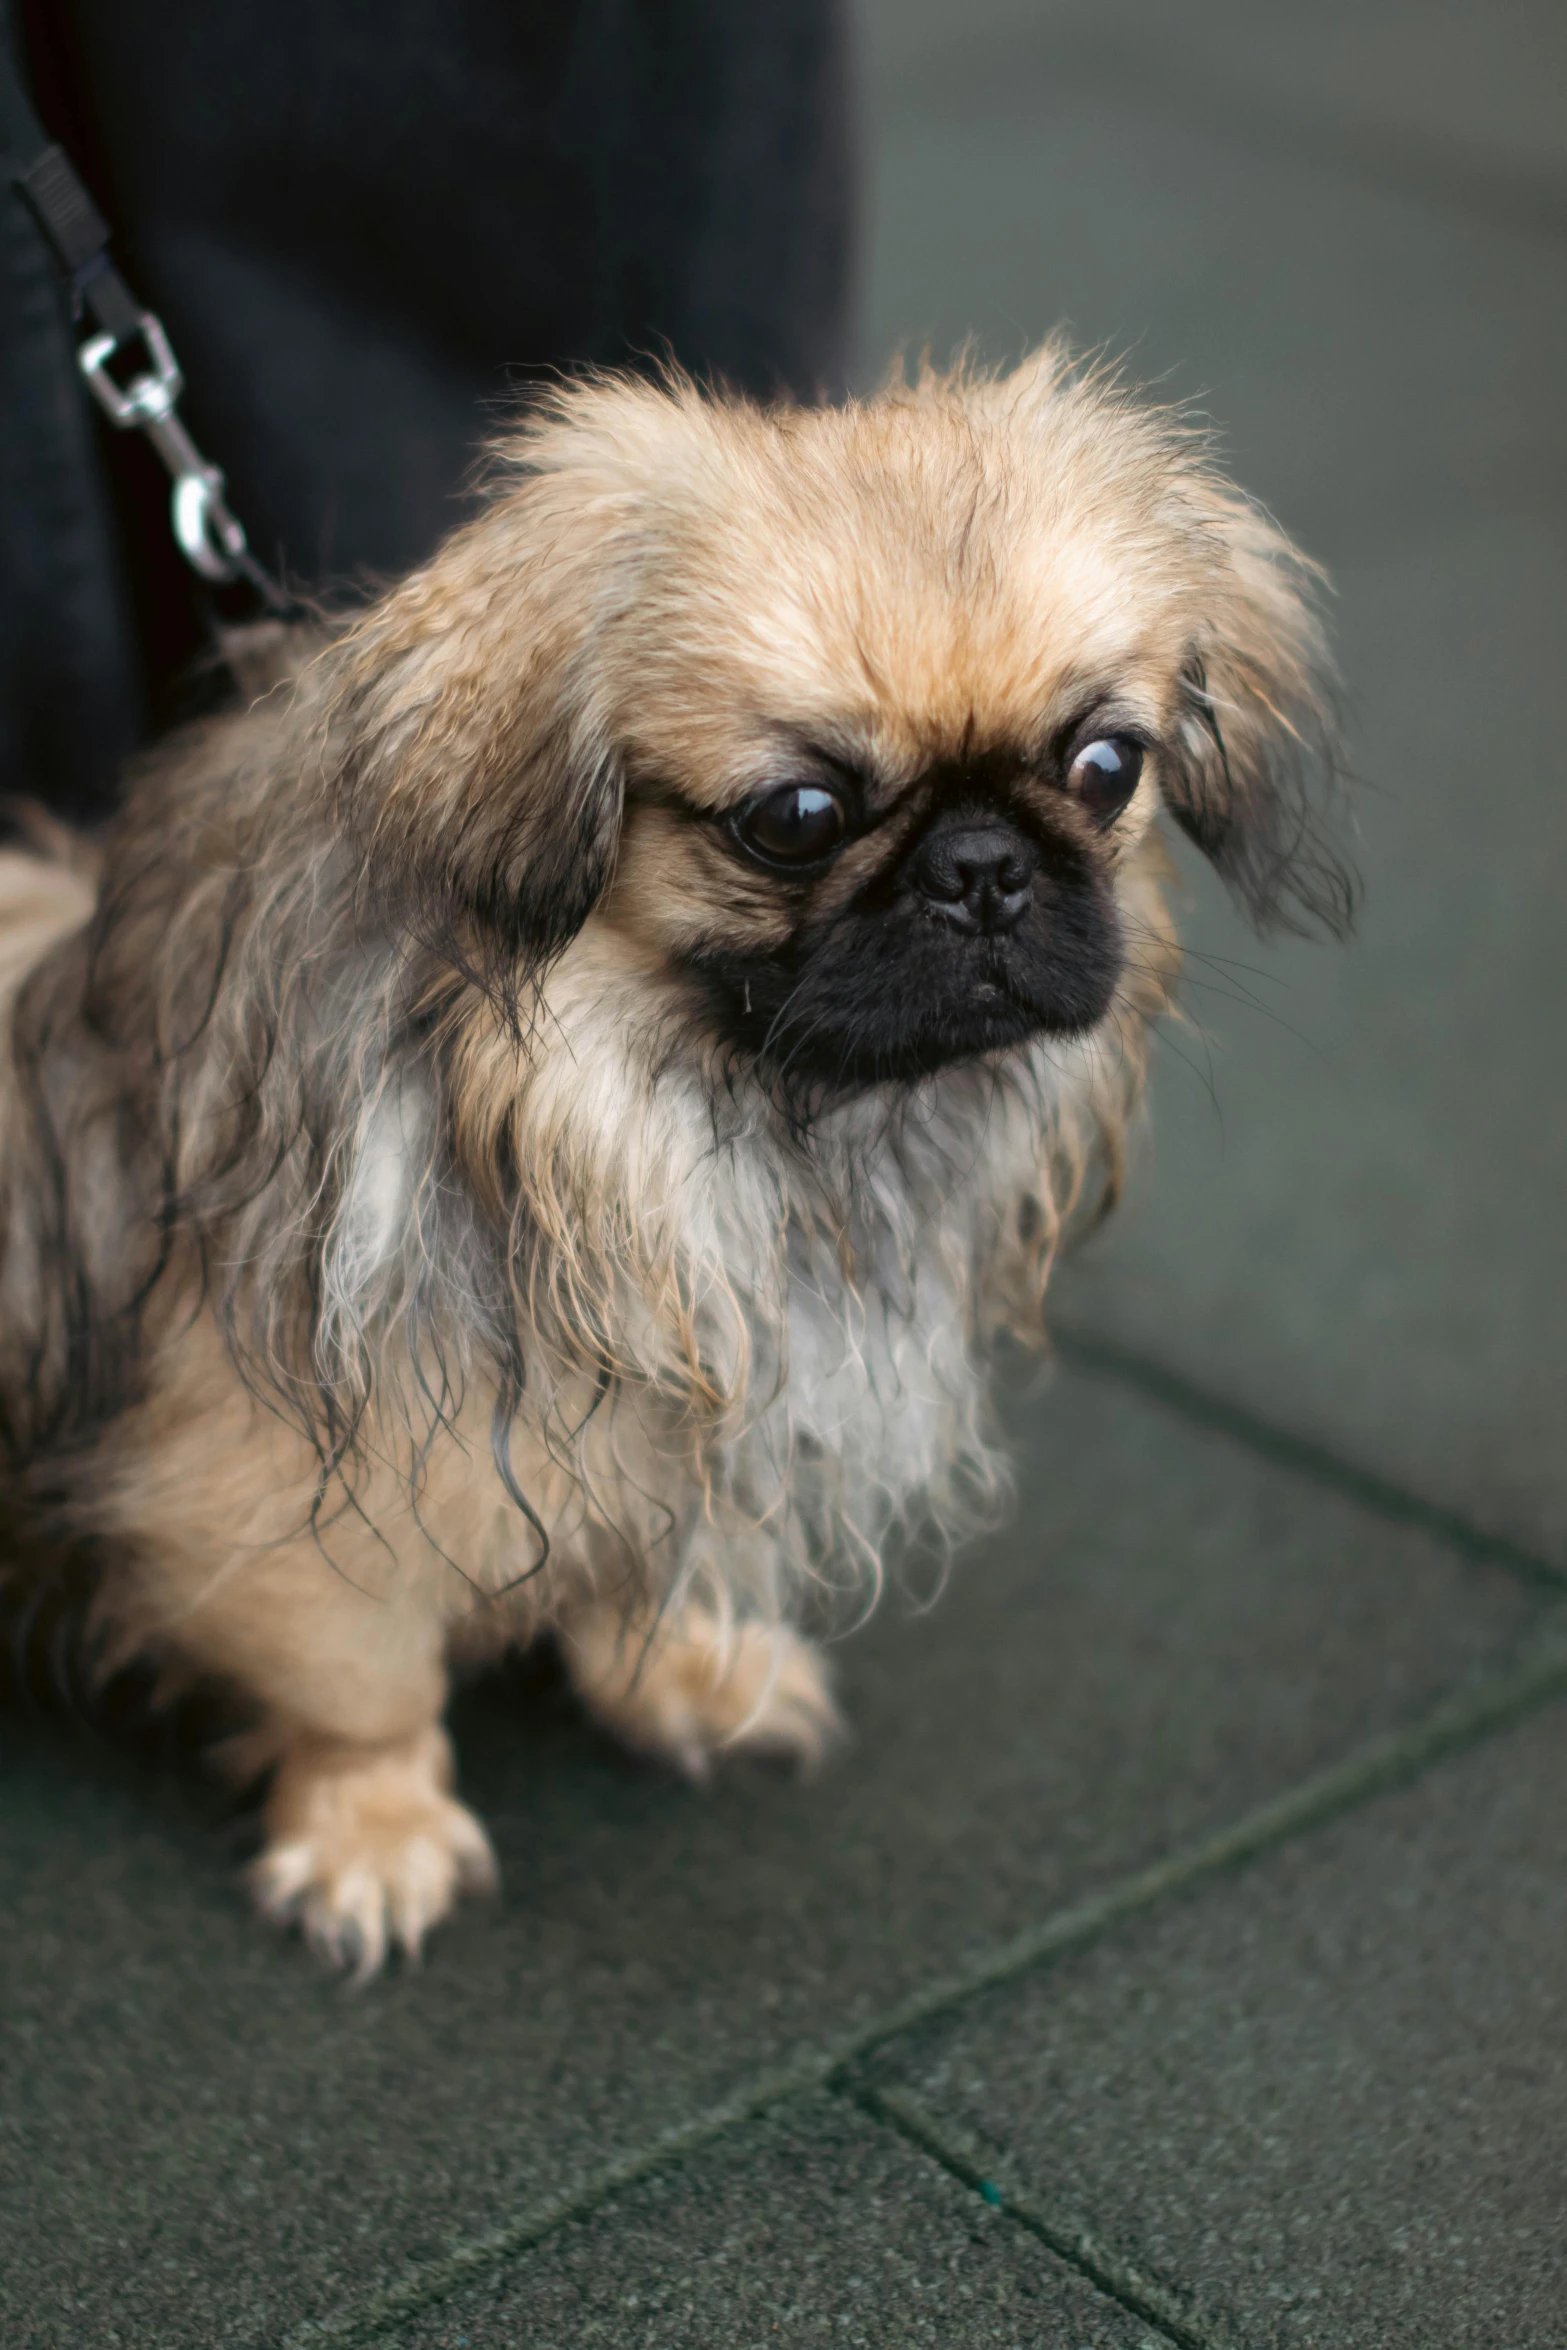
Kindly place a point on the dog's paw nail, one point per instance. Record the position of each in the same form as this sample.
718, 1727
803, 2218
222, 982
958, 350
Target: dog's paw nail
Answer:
477, 1868
279, 1880
693, 1762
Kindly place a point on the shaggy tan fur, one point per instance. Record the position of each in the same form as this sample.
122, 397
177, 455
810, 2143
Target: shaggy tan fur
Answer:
402, 1258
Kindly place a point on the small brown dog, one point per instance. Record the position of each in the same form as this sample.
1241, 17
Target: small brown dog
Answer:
540, 1118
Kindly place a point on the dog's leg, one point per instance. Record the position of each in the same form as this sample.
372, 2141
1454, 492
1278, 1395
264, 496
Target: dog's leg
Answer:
366, 1847
690, 1686
335, 1635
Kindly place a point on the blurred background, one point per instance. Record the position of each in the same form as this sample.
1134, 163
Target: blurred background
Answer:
1336, 229
1176, 1955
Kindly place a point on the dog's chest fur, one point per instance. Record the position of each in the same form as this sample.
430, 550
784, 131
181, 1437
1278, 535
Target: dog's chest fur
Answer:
792, 1326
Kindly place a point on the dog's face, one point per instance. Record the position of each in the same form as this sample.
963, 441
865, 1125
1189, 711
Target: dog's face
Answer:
842, 728
897, 924
861, 884
847, 916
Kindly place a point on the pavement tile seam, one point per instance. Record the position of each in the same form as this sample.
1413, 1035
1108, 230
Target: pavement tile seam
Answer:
1486, 1705
1394, 160
1086, 1350
897, 2108
806, 2110
368, 2320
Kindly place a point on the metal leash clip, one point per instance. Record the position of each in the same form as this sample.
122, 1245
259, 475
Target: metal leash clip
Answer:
211, 538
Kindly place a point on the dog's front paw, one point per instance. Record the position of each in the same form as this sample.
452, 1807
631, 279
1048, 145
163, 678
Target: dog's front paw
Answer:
367, 1849
694, 1688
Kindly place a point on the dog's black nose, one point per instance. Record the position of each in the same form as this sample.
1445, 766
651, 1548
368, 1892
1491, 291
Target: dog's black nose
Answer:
978, 877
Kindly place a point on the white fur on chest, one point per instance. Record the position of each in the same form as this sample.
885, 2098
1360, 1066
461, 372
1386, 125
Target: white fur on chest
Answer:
832, 1290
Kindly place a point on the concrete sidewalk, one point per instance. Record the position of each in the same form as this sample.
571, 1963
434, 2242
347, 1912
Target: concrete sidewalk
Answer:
1179, 1952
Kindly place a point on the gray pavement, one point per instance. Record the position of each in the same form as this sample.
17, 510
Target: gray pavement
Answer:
1177, 1953
1322, 2103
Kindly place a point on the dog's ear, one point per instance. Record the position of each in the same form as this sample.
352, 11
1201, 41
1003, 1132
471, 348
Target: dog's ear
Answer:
1255, 775
469, 743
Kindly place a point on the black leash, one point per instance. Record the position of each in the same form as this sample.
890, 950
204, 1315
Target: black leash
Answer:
141, 398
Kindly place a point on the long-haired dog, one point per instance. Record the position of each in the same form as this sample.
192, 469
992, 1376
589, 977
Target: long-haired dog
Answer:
535, 1125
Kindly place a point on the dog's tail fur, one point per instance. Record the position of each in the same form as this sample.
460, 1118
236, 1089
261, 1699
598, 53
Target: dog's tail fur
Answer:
48, 887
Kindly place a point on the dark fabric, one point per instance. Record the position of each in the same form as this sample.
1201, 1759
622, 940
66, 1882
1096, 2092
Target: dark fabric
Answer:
70, 692
367, 223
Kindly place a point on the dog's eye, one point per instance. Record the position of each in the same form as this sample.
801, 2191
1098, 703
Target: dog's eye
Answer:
794, 825
1104, 776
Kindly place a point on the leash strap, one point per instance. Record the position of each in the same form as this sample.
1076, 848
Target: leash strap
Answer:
209, 534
